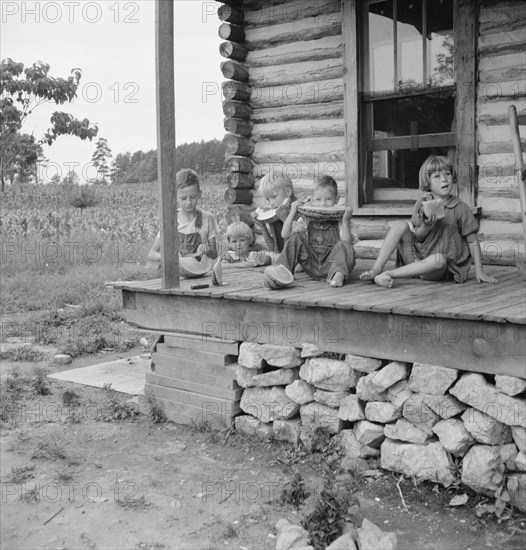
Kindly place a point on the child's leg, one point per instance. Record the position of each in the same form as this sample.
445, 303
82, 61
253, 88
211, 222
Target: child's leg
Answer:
340, 263
292, 253
431, 268
398, 234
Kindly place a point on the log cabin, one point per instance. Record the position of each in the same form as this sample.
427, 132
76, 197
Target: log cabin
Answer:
363, 90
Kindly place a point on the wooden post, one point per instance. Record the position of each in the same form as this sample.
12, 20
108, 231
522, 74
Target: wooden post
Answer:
164, 72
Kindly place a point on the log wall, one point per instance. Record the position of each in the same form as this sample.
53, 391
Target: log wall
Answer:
284, 108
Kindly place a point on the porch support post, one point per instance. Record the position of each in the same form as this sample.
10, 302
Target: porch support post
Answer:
164, 71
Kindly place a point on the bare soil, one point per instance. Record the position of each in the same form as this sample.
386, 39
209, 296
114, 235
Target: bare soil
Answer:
83, 482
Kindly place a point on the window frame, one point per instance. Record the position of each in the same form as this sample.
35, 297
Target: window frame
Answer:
465, 29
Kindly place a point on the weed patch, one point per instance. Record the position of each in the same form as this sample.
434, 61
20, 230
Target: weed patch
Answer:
156, 412
294, 491
39, 382
22, 353
117, 409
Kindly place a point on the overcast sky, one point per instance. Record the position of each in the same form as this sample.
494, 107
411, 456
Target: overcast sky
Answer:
113, 43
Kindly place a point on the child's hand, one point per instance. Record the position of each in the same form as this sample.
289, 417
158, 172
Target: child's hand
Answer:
483, 277
347, 215
202, 249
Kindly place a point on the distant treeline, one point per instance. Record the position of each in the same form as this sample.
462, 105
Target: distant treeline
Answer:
205, 157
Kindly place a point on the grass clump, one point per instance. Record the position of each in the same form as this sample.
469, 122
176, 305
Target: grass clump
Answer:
22, 353
156, 412
39, 383
294, 491
117, 409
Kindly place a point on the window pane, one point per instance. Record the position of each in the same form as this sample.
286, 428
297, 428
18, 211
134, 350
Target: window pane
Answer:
440, 42
409, 41
381, 46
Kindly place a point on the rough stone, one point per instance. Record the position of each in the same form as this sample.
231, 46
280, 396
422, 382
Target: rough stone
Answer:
363, 364
329, 374
287, 430
425, 462
509, 453
380, 411
446, 406
486, 429
516, 486
250, 425
473, 389
268, 404
329, 398
62, 359
431, 379
290, 536
403, 430
318, 415
366, 391
300, 392
510, 385
250, 355
371, 537
369, 433
479, 467
454, 437
343, 542
279, 377
519, 436
245, 376
351, 409
399, 393
353, 448
310, 350
389, 375
281, 356
520, 462
419, 414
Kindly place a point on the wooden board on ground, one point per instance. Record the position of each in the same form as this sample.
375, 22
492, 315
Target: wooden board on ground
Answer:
195, 387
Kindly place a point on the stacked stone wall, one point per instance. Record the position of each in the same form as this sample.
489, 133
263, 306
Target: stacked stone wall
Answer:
418, 419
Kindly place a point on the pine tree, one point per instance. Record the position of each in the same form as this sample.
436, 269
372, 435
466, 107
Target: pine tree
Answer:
100, 160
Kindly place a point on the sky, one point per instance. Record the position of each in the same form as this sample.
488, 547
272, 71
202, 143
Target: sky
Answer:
113, 42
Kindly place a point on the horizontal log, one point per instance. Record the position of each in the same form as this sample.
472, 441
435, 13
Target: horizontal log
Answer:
304, 71
231, 2
501, 42
300, 150
238, 126
492, 227
234, 33
269, 13
505, 74
234, 71
236, 180
306, 50
495, 109
297, 94
499, 132
297, 171
502, 15
301, 187
238, 196
298, 129
237, 145
509, 194
239, 164
236, 109
498, 147
499, 215
236, 91
310, 28
500, 61
231, 50
329, 109
503, 91
231, 14
491, 179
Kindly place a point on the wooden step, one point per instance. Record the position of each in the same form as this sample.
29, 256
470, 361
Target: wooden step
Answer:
202, 342
197, 355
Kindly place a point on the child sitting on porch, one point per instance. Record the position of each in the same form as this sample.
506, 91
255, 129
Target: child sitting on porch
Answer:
443, 239
197, 228
279, 192
324, 247
242, 250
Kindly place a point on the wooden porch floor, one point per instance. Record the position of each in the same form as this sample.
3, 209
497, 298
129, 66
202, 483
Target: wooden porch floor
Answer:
479, 327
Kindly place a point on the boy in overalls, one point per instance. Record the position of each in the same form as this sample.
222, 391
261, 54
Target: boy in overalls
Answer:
197, 228
324, 249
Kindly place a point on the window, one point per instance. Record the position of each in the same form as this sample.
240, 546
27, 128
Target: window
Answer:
405, 60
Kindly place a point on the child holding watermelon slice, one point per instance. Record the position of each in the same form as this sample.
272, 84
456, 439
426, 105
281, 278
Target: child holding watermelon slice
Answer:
324, 248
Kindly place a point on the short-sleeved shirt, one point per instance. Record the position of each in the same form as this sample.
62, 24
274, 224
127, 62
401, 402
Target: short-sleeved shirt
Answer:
208, 230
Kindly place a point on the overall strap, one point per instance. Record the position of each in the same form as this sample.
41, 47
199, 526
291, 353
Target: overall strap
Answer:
199, 220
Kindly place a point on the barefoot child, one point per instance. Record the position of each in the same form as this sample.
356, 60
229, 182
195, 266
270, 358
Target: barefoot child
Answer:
197, 228
324, 249
442, 245
242, 250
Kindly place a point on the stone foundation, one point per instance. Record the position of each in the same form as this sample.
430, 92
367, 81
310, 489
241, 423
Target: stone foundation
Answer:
414, 417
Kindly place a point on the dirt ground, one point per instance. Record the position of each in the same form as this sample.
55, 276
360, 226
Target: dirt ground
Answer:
85, 482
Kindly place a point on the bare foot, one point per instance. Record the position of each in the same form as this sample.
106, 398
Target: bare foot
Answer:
384, 279
370, 275
337, 279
